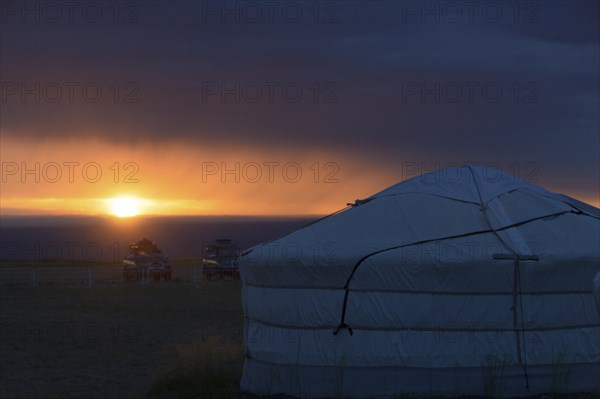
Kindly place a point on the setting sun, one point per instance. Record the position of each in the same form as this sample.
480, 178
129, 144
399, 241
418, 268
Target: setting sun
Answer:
125, 207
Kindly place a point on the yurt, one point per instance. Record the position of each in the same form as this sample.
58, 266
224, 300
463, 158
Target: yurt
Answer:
464, 281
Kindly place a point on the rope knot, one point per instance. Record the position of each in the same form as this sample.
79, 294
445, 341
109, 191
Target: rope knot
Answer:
341, 327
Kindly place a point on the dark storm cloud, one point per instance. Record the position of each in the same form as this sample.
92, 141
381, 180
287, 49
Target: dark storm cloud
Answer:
367, 56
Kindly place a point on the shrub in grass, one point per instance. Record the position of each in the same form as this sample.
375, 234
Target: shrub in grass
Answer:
210, 369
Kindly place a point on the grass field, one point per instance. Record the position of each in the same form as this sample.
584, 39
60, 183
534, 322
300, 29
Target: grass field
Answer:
57, 273
122, 341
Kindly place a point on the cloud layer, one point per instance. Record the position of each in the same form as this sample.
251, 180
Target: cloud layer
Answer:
382, 82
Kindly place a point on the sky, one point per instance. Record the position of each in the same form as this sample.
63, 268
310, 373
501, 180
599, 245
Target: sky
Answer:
288, 108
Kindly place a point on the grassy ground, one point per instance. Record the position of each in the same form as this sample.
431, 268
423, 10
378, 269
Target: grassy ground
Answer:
183, 262
60, 273
125, 341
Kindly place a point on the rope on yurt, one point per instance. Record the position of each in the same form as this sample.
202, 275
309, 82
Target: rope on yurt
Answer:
575, 206
516, 285
346, 286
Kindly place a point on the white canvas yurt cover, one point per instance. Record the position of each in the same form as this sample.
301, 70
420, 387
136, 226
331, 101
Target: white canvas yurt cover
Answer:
465, 281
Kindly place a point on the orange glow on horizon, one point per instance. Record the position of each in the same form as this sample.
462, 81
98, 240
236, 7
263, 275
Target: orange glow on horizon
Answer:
80, 177
94, 177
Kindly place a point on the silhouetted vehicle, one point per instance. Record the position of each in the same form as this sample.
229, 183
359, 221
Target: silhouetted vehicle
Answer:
146, 262
221, 260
